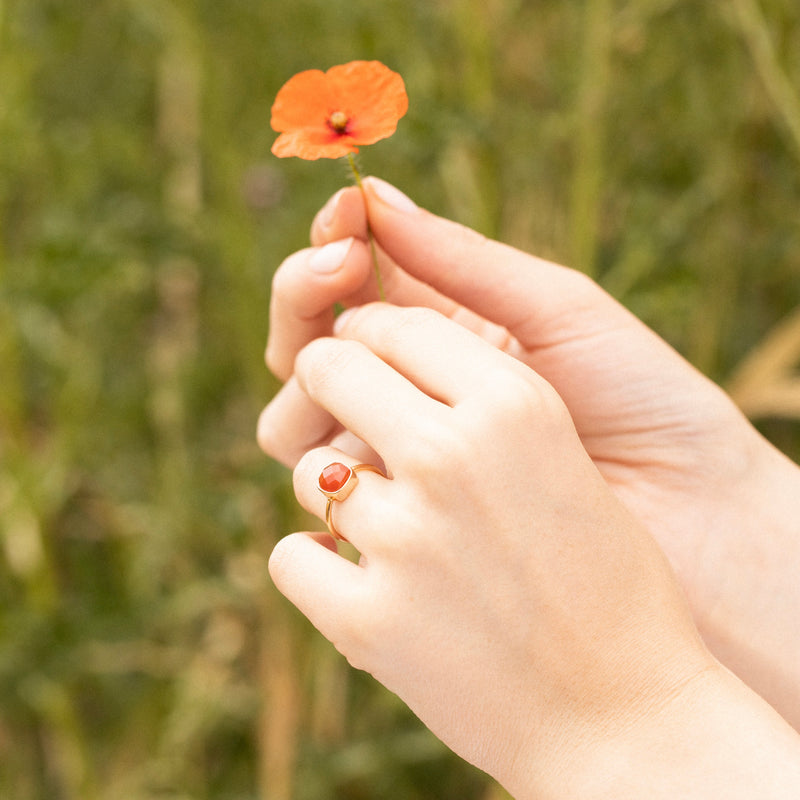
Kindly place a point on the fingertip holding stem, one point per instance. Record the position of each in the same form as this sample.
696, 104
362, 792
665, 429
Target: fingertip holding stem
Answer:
327, 214
390, 195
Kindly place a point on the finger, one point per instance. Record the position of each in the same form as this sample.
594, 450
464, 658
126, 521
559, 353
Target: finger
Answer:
438, 356
304, 290
536, 300
367, 396
343, 216
361, 513
292, 424
325, 539
328, 589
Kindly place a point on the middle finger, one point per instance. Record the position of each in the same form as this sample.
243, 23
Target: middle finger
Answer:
368, 397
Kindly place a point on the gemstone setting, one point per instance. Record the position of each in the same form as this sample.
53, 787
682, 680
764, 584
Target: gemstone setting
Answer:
335, 478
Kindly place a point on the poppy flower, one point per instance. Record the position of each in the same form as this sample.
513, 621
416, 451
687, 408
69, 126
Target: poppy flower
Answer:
328, 114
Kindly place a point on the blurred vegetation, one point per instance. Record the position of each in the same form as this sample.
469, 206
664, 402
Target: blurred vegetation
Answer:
143, 652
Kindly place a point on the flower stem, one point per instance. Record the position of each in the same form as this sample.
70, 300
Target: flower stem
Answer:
370, 237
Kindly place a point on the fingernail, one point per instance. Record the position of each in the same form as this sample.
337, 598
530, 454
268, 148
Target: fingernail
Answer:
330, 257
328, 211
391, 195
343, 318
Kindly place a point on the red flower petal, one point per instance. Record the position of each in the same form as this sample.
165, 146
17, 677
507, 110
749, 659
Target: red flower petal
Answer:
370, 95
302, 102
311, 145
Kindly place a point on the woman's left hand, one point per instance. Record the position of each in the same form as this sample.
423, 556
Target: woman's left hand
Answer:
503, 590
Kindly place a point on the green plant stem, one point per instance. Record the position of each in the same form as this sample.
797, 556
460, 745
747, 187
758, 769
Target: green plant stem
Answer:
373, 248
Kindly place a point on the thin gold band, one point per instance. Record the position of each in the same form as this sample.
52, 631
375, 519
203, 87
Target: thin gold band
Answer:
342, 494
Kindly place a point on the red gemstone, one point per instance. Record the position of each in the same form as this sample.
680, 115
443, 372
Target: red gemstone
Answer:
334, 476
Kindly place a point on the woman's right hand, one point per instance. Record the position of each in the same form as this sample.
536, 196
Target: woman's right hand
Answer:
668, 441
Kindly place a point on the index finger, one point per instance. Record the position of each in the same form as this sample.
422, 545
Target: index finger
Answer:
345, 215
304, 290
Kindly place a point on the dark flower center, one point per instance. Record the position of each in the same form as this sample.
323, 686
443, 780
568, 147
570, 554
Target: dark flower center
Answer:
338, 121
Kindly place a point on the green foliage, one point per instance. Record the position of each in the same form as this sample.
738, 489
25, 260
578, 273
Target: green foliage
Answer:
143, 652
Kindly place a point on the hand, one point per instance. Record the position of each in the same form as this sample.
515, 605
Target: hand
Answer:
504, 593
503, 590
670, 443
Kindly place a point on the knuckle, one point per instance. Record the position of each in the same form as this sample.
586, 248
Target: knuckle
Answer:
323, 362
388, 327
524, 400
513, 393
530, 410
436, 452
415, 317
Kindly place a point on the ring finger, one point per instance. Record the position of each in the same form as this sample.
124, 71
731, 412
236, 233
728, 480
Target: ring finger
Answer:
352, 496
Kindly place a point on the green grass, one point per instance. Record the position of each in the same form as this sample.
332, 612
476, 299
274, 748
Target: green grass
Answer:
143, 652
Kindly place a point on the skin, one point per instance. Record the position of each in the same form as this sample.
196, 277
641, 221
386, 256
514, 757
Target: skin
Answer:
511, 589
719, 499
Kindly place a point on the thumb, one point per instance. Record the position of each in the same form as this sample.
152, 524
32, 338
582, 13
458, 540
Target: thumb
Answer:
536, 300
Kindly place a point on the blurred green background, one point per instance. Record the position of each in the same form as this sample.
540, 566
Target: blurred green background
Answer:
143, 652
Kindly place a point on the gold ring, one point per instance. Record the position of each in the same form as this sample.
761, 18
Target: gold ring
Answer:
336, 482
